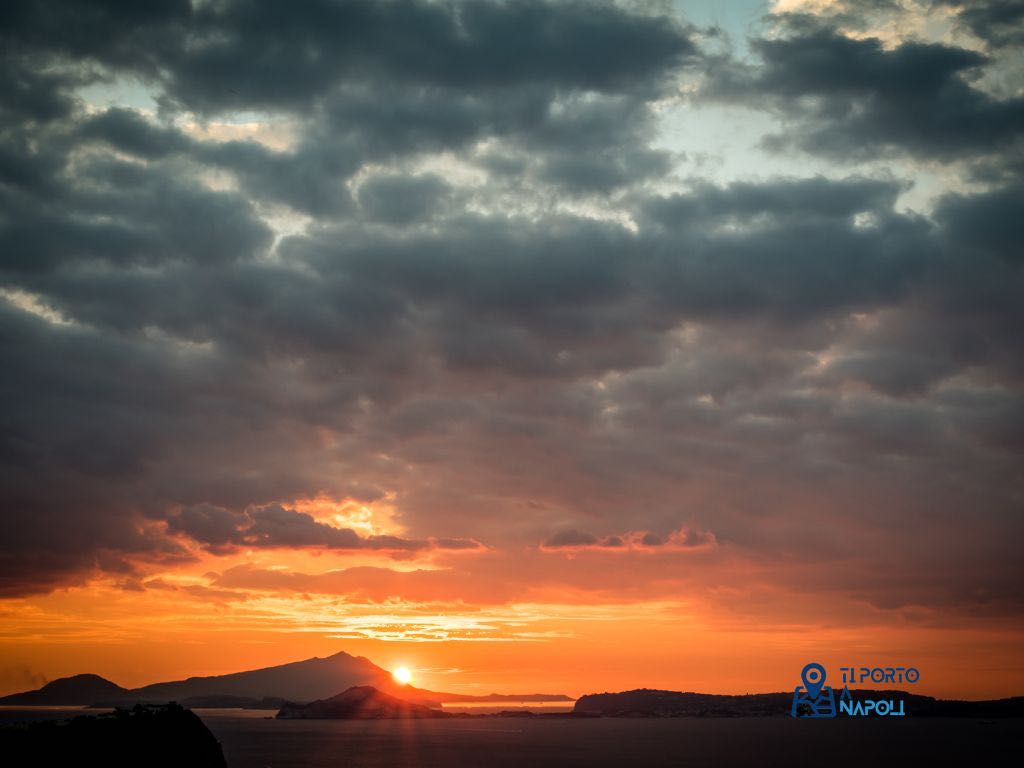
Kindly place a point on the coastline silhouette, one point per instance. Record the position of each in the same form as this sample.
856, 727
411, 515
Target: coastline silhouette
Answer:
335, 684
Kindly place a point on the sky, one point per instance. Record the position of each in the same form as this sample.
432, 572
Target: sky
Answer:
536, 345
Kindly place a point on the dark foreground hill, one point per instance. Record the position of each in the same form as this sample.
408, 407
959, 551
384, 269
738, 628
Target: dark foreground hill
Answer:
362, 702
645, 702
156, 737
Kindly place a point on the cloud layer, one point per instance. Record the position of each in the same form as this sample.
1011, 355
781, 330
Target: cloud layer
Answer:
439, 258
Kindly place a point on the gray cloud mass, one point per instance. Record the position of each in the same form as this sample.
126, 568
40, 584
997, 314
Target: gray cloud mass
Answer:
472, 280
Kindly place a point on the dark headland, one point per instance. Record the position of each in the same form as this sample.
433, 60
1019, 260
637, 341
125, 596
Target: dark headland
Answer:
167, 736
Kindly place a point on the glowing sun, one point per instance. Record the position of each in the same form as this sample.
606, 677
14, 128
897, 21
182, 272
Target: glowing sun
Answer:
402, 675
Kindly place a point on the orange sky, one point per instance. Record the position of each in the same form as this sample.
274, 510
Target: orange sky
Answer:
649, 357
233, 612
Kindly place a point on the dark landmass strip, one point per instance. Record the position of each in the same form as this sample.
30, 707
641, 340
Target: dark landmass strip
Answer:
204, 702
538, 715
361, 702
286, 687
300, 681
271, 703
168, 736
646, 702
233, 702
457, 698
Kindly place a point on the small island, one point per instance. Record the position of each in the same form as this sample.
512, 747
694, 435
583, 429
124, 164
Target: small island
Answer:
361, 702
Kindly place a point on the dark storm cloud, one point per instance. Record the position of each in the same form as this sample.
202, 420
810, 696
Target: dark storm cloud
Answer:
998, 22
581, 142
571, 538
127, 131
249, 54
792, 249
847, 98
991, 222
175, 320
379, 79
128, 215
643, 541
403, 199
222, 530
798, 199
29, 94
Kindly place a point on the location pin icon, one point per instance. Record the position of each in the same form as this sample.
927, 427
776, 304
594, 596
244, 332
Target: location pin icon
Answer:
813, 677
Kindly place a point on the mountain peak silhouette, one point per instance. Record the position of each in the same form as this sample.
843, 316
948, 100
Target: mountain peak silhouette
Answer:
306, 680
298, 681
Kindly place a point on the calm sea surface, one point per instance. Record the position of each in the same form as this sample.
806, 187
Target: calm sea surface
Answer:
252, 741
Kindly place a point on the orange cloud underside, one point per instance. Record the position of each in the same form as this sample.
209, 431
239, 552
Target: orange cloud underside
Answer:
366, 518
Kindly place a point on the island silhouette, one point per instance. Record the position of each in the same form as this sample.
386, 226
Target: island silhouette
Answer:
353, 687
77, 690
266, 688
361, 702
